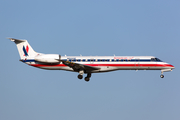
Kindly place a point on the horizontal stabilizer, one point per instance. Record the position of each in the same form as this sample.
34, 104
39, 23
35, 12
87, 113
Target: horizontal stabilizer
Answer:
16, 40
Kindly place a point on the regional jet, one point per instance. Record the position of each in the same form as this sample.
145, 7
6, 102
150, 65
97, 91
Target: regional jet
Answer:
88, 64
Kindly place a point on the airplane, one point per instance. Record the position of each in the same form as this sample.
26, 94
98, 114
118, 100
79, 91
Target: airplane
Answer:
88, 64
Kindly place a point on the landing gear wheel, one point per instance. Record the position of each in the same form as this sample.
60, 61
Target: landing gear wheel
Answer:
162, 76
80, 76
87, 79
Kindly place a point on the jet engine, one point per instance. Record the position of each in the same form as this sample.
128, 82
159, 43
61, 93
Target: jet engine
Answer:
48, 58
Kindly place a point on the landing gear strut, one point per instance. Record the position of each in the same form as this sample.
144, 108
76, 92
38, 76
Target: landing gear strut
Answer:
81, 72
87, 78
162, 76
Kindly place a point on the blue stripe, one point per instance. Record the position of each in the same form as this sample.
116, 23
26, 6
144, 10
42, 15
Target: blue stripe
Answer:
103, 60
113, 60
29, 60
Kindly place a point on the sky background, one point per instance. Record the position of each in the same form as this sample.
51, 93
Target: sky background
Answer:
94, 27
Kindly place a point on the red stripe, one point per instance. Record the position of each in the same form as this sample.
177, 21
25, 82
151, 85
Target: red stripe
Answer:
112, 65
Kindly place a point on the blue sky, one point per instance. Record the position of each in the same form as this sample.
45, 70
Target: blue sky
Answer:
96, 27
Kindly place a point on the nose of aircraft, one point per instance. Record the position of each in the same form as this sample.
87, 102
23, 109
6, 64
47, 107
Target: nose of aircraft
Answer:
169, 66
172, 67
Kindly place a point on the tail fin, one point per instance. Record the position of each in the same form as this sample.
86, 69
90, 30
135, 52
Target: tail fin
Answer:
25, 50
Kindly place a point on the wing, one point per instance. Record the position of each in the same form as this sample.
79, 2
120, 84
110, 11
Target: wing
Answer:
77, 66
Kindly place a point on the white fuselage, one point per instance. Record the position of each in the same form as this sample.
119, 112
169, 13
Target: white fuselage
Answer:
106, 63
88, 64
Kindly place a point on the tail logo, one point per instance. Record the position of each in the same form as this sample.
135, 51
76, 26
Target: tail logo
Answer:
26, 50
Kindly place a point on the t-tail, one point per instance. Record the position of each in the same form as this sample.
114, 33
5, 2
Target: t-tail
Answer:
28, 54
24, 48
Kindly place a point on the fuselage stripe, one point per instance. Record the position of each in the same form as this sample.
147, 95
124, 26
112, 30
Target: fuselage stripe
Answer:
110, 65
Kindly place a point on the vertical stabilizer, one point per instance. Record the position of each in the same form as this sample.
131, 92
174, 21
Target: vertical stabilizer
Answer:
24, 48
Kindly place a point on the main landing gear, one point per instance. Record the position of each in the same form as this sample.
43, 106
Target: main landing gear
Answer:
80, 76
87, 78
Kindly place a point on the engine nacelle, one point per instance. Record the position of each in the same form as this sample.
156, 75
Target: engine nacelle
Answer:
48, 58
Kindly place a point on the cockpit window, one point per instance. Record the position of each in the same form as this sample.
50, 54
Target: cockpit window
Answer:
155, 59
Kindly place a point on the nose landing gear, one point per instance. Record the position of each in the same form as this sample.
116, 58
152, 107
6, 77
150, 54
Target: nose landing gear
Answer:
162, 76
164, 70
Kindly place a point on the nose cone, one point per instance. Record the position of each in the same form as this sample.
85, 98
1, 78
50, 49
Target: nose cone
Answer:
172, 67
168, 66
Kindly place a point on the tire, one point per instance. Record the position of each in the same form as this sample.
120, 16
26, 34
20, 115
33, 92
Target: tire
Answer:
86, 79
162, 76
80, 76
